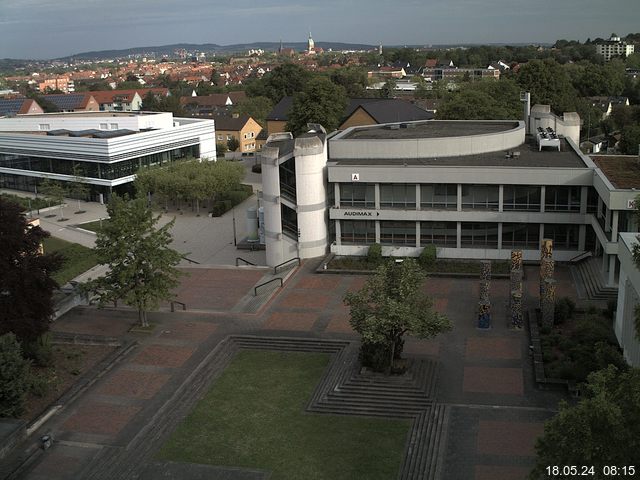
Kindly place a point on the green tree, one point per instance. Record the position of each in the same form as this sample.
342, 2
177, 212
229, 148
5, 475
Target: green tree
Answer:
630, 141
391, 304
353, 79
221, 149
284, 80
233, 144
142, 267
26, 286
321, 102
54, 192
389, 88
487, 99
549, 84
603, 429
78, 187
256, 107
14, 377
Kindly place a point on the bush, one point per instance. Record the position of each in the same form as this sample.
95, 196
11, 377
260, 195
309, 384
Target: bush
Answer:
237, 196
376, 355
610, 311
374, 254
39, 383
564, 310
257, 168
40, 350
427, 257
14, 377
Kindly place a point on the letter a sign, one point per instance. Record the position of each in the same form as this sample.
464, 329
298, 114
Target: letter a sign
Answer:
355, 177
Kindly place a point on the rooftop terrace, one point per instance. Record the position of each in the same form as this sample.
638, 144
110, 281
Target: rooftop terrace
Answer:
623, 171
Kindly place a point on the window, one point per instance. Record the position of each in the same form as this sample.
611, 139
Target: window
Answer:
104, 126
289, 221
521, 198
354, 232
114, 126
562, 199
398, 233
520, 235
245, 136
229, 137
44, 126
479, 235
592, 200
480, 197
357, 195
441, 234
288, 179
565, 237
220, 137
398, 195
443, 197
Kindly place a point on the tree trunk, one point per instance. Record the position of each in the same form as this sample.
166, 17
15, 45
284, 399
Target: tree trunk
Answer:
393, 353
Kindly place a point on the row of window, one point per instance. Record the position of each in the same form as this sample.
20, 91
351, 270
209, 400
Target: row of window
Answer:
474, 197
444, 234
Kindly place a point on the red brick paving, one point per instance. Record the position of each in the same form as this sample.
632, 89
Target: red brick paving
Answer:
128, 383
57, 466
357, 283
163, 356
215, 288
100, 418
494, 347
493, 380
438, 286
189, 330
441, 304
319, 282
304, 299
339, 323
497, 472
508, 438
290, 321
96, 322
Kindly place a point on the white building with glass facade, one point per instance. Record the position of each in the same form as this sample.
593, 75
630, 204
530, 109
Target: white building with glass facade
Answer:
475, 189
106, 149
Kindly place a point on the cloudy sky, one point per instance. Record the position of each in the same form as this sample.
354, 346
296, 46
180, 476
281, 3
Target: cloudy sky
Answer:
56, 28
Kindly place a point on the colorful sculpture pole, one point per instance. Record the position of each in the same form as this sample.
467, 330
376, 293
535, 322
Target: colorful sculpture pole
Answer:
546, 264
515, 299
548, 302
484, 305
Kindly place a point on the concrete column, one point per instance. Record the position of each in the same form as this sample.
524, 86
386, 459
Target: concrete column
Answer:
377, 196
336, 190
459, 235
607, 221
605, 261
584, 195
582, 237
417, 196
500, 234
459, 198
614, 225
500, 201
599, 207
541, 233
338, 232
377, 231
543, 192
611, 281
418, 234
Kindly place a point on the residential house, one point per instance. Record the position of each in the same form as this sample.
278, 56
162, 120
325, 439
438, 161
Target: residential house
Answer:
241, 127
209, 105
19, 106
606, 104
74, 102
614, 47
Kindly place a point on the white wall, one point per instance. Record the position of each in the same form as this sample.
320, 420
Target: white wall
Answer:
628, 298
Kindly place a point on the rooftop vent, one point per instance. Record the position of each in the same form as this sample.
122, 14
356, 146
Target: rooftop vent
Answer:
407, 125
393, 126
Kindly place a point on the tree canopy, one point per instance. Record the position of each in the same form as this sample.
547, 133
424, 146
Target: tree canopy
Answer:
487, 99
14, 377
603, 429
390, 304
256, 107
321, 102
284, 80
549, 84
142, 267
26, 286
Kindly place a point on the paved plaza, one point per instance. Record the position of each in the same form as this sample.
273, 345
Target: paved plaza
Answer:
485, 377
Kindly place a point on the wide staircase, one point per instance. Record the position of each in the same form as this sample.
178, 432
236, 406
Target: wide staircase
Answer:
588, 272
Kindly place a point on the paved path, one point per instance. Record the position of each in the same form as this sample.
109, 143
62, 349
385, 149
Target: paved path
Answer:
486, 376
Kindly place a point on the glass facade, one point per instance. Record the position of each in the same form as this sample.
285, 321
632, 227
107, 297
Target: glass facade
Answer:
358, 195
562, 199
288, 179
289, 221
439, 196
521, 198
520, 235
441, 234
480, 197
479, 235
565, 237
354, 232
398, 195
397, 233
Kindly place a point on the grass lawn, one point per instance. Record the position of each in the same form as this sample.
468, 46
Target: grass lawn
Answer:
78, 259
254, 417
26, 203
93, 226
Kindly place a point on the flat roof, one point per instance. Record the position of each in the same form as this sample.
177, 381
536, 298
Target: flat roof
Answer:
430, 129
623, 171
529, 157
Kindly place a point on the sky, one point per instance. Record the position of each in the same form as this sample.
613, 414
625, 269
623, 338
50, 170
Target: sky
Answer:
41, 29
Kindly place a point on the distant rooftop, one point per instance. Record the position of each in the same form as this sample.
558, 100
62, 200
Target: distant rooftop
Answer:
430, 129
623, 171
526, 155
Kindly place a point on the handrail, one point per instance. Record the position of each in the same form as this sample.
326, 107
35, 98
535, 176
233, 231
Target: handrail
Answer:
275, 269
184, 305
255, 290
184, 257
581, 256
245, 261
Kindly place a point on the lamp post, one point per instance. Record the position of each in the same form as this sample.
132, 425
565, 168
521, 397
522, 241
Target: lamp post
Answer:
233, 215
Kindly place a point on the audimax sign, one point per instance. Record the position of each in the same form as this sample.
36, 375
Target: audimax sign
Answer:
360, 213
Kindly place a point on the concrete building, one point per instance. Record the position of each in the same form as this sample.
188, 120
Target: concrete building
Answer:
628, 300
108, 148
614, 47
475, 189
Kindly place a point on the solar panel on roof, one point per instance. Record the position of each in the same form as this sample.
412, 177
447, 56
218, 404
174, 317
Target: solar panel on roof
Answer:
11, 106
66, 102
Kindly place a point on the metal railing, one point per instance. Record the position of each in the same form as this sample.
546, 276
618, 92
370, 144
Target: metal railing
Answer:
240, 259
173, 302
295, 259
184, 257
255, 290
581, 256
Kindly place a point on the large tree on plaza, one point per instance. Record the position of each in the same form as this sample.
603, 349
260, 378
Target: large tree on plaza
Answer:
26, 286
392, 303
141, 266
321, 101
